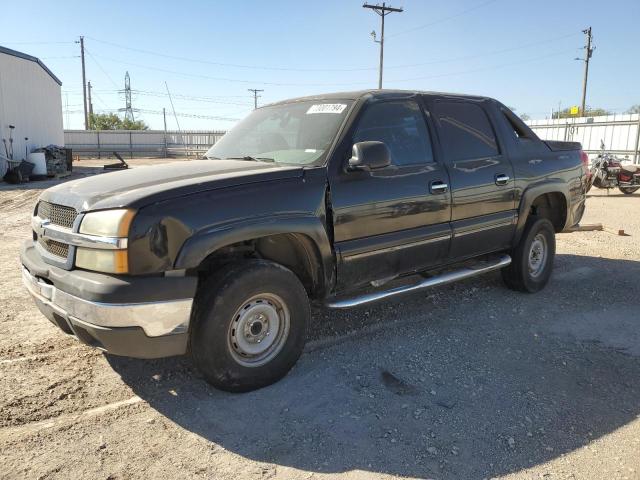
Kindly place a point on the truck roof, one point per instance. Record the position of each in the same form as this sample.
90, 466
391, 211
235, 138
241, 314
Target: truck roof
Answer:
373, 93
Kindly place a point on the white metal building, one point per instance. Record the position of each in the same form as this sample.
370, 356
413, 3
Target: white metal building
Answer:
29, 100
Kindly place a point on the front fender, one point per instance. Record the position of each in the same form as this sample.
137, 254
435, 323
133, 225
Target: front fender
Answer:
202, 244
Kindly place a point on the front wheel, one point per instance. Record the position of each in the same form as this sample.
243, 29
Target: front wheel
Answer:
628, 190
532, 259
250, 325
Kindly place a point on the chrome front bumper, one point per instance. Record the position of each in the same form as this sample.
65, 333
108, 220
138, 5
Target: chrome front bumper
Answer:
154, 318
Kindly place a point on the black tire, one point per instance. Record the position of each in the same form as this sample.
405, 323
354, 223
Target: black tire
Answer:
519, 275
228, 304
628, 190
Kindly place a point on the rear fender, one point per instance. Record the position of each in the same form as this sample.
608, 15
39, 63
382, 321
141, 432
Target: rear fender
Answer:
529, 196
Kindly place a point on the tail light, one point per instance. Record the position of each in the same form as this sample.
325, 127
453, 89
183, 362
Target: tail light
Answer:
585, 163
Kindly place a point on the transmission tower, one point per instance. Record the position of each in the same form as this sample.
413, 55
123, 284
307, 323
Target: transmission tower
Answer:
128, 109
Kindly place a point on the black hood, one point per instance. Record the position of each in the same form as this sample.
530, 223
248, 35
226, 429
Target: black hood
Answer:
142, 186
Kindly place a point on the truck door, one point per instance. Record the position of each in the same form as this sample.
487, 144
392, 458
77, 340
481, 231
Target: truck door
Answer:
396, 219
483, 214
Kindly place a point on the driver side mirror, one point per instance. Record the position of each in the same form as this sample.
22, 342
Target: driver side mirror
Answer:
369, 156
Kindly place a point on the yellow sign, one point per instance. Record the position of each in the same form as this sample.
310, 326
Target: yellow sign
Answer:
574, 110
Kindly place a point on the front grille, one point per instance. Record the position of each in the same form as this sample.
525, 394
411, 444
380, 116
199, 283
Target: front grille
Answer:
55, 248
57, 214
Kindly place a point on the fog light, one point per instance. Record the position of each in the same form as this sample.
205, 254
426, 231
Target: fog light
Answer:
107, 261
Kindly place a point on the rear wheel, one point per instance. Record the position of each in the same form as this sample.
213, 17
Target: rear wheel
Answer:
628, 190
249, 326
532, 259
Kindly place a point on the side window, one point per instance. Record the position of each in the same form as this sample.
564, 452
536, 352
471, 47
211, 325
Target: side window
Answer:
517, 126
401, 126
465, 130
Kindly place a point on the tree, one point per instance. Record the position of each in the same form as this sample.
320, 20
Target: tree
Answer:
111, 121
589, 112
634, 109
525, 117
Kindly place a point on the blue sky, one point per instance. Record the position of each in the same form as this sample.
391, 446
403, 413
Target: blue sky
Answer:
211, 52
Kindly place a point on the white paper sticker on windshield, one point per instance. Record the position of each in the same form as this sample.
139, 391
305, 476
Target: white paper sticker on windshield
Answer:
327, 108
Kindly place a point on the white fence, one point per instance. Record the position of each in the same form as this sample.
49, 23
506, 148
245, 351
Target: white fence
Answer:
619, 133
140, 143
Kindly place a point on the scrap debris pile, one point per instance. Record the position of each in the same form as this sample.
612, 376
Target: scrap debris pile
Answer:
57, 158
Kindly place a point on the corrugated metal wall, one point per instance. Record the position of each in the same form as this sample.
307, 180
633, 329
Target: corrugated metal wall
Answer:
30, 100
619, 133
147, 143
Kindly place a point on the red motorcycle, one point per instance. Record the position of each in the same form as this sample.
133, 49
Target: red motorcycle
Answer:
608, 172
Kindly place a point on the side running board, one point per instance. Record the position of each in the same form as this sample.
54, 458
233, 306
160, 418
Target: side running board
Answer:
442, 279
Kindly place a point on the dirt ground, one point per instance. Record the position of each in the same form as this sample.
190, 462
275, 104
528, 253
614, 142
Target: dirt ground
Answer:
466, 381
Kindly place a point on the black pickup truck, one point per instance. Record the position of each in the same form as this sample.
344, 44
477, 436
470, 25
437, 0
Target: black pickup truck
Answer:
323, 199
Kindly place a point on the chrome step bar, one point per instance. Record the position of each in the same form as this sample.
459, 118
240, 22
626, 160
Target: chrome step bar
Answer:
442, 279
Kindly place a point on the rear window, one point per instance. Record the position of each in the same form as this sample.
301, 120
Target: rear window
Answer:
465, 130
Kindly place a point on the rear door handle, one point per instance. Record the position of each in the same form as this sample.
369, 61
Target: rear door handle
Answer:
438, 187
502, 179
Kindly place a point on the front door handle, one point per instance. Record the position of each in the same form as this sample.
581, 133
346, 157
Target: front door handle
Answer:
438, 187
502, 179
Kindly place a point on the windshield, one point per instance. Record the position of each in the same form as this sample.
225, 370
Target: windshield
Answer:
294, 133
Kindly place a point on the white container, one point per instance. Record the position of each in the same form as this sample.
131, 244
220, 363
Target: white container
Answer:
40, 163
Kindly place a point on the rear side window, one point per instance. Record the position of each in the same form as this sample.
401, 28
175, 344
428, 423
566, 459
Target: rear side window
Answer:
517, 126
401, 127
465, 130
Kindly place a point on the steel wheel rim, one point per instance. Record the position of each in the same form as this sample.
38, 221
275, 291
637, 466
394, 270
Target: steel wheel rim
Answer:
258, 330
537, 255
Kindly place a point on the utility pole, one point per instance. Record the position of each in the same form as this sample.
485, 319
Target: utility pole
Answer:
90, 105
164, 117
184, 145
255, 92
383, 11
84, 85
588, 52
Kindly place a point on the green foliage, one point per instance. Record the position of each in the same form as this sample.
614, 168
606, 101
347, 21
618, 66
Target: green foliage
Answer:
111, 121
589, 112
634, 109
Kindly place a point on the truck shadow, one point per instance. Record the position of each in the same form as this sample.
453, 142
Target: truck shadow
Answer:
465, 381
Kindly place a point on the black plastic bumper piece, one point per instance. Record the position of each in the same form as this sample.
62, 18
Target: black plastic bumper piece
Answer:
130, 341
100, 287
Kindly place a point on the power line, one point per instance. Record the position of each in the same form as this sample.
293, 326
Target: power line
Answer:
234, 65
189, 97
159, 112
57, 58
444, 19
37, 43
226, 79
100, 67
485, 54
484, 69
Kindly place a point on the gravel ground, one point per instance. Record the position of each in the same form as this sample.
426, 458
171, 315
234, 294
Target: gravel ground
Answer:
466, 381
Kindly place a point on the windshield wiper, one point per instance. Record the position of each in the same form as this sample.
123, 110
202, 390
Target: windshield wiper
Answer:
249, 158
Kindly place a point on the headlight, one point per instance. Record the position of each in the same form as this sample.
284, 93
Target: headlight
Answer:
105, 223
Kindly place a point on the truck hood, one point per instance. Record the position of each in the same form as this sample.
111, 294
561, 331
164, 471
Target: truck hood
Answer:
142, 186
